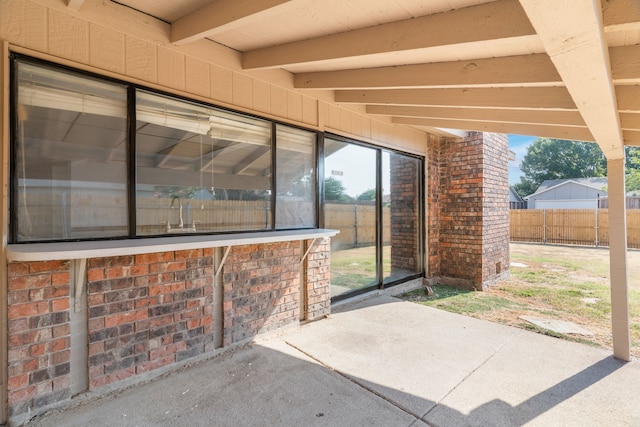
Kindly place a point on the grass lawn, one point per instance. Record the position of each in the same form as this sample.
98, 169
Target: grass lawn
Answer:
558, 282
356, 268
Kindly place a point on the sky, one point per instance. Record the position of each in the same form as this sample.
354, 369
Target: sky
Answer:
355, 165
518, 144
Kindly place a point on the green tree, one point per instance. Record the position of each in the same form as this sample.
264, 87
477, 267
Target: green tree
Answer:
334, 190
632, 170
369, 194
559, 159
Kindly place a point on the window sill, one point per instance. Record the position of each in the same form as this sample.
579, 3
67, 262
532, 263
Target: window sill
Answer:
106, 248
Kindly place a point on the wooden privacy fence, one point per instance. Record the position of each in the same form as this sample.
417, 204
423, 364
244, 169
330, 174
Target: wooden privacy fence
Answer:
357, 224
586, 227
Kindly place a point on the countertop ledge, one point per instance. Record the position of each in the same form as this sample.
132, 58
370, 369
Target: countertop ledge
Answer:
106, 248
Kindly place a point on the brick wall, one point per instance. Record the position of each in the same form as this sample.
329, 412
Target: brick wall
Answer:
495, 249
261, 289
147, 311
468, 206
39, 335
151, 311
318, 279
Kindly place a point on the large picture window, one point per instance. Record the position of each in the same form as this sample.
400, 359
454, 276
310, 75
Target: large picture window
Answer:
295, 178
200, 169
70, 151
95, 159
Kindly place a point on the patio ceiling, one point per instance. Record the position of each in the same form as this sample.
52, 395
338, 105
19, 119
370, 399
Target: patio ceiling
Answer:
548, 68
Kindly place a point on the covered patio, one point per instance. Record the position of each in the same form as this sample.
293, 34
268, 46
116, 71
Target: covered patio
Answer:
564, 70
437, 369
158, 110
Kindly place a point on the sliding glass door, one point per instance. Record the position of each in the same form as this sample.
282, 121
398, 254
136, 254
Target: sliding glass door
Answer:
350, 205
373, 197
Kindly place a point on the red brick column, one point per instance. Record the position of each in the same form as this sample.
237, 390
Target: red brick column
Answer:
39, 335
469, 209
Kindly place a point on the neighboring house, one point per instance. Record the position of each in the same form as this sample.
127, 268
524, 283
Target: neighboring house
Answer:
515, 201
573, 193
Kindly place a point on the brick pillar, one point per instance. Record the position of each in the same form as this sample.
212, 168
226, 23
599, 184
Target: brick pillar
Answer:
469, 209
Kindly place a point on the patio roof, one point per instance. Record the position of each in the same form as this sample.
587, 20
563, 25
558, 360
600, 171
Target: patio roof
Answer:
536, 67
548, 68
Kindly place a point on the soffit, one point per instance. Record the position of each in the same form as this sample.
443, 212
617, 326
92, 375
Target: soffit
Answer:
518, 50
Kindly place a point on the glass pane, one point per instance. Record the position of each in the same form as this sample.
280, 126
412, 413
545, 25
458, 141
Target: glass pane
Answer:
401, 222
350, 198
200, 169
70, 156
296, 178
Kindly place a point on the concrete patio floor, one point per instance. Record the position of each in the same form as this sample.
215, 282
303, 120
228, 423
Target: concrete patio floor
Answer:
384, 362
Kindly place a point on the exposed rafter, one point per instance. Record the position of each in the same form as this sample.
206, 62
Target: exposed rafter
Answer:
578, 49
515, 71
559, 132
539, 117
531, 98
215, 17
489, 21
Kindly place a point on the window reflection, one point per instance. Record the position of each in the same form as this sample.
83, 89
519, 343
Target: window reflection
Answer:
401, 222
70, 156
200, 169
296, 178
350, 206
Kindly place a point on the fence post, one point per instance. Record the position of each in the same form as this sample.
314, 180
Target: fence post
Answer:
355, 222
597, 242
544, 226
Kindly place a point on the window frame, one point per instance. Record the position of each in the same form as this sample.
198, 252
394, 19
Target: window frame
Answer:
422, 233
131, 108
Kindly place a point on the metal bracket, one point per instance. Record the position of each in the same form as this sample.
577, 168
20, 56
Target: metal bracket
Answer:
222, 261
307, 251
80, 279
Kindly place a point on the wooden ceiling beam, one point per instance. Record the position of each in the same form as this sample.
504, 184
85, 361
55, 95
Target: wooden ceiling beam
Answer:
579, 51
560, 132
522, 70
489, 21
540, 117
218, 16
513, 70
526, 98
